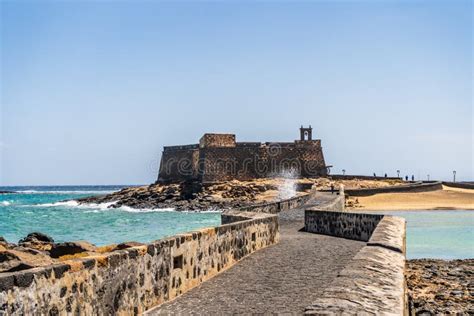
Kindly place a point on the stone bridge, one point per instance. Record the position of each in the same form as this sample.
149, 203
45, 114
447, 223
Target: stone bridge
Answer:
294, 275
301, 255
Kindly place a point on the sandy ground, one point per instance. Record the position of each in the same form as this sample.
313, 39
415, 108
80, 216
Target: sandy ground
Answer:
446, 199
283, 187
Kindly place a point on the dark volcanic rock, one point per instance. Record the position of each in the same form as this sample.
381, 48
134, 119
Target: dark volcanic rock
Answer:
7, 192
37, 241
37, 236
184, 196
126, 245
439, 287
70, 248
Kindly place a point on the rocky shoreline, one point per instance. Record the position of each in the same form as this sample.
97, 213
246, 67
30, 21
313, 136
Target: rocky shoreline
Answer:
185, 196
229, 194
38, 249
440, 287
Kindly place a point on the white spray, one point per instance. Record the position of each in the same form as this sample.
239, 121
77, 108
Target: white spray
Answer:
287, 189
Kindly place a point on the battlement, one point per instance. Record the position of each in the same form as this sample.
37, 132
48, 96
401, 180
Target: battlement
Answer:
217, 140
218, 157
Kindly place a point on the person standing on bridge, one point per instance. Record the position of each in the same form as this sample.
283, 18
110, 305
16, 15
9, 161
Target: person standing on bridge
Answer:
332, 188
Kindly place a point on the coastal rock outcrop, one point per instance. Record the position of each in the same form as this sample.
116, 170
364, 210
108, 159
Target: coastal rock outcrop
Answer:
182, 197
126, 245
21, 258
71, 248
36, 236
38, 241
440, 287
223, 195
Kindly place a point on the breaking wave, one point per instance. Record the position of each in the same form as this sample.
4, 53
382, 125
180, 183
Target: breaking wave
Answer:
73, 203
65, 192
98, 207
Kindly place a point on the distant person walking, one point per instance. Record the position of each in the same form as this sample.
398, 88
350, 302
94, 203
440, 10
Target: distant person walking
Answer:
406, 178
385, 175
375, 176
412, 178
332, 188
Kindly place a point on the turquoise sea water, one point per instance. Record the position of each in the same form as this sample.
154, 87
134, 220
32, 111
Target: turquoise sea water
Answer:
430, 234
40, 209
439, 234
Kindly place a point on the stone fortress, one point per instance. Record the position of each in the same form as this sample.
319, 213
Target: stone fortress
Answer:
218, 157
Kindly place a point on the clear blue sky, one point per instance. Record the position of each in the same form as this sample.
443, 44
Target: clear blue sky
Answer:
91, 91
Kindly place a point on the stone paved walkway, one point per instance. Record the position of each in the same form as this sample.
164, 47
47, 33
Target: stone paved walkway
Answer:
283, 278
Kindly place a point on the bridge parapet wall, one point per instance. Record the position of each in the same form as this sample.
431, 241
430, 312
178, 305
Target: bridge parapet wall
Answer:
373, 282
133, 280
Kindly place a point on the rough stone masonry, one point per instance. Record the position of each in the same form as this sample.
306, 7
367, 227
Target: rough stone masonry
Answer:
218, 157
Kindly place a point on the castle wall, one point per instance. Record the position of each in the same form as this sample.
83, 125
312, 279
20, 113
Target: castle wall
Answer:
250, 162
219, 158
179, 163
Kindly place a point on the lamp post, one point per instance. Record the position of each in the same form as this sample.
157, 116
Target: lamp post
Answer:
398, 173
428, 177
343, 172
454, 175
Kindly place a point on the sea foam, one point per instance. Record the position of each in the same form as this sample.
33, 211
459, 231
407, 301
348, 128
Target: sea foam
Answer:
64, 192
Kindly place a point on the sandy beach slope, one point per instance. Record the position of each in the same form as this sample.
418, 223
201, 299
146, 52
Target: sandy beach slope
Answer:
445, 199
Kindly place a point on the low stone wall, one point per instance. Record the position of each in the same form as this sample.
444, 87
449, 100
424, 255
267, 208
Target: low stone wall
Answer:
412, 187
133, 280
341, 224
354, 177
460, 185
374, 281
276, 207
372, 284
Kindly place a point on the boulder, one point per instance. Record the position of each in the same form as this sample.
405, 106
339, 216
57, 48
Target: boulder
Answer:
4, 244
37, 236
38, 241
38, 245
126, 245
15, 260
70, 248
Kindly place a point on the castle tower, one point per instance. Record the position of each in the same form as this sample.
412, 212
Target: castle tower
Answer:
306, 133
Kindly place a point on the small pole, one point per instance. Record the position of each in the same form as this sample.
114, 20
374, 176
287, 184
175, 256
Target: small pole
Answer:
398, 173
454, 175
343, 172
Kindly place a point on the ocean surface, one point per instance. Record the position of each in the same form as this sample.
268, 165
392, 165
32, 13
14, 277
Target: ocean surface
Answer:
43, 209
430, 234
439, 234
